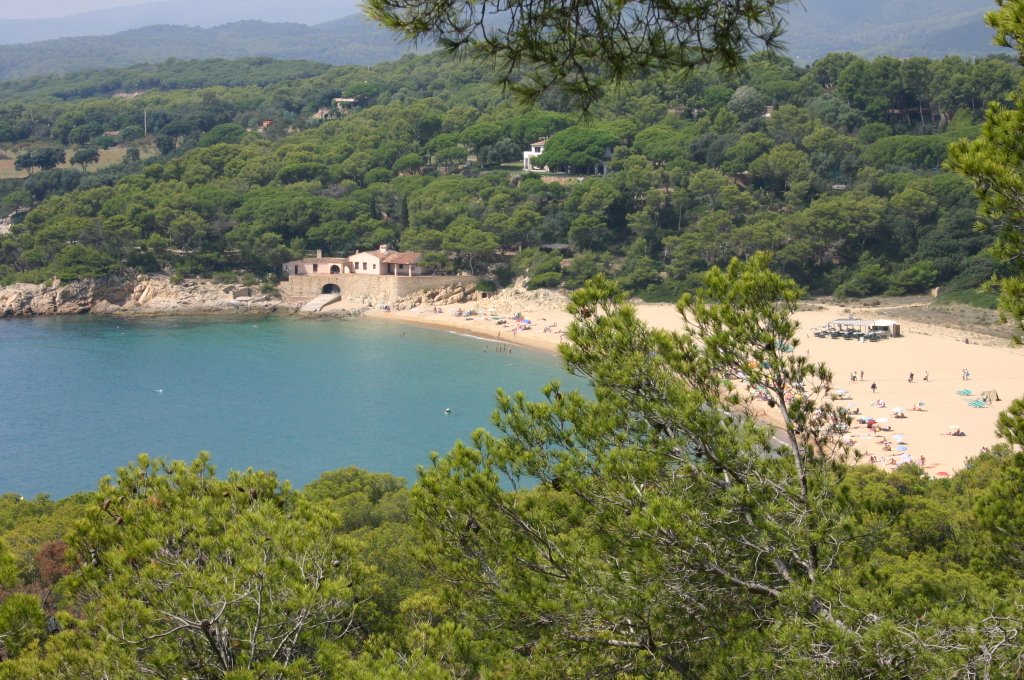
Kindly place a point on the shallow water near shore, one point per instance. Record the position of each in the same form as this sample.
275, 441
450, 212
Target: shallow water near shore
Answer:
81, 396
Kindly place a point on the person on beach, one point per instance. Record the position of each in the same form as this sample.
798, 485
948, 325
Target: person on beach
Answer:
873, 388
911, 379
926, 376
862, 375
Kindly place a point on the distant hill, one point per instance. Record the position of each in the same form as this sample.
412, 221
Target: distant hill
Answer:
899, 28
201, 13
930, 28
172, 74
353, 40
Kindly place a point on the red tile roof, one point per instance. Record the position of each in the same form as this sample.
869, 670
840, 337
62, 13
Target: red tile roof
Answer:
379, 254
395, 257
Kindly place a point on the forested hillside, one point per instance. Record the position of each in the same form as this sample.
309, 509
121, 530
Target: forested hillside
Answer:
835, 168
352, 40
909, 28
125, 16
311, 29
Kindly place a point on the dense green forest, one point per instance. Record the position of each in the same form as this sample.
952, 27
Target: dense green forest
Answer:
835, 168
655, 531
169, 75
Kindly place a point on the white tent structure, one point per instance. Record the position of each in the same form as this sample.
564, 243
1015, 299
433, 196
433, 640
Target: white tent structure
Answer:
849, 325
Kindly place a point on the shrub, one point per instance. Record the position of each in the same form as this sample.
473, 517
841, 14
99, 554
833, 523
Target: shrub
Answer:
545, 280
486, 286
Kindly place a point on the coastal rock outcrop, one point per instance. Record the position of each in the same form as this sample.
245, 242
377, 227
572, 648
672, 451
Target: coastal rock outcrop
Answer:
448, 295
514, 298
76, 297
134, 295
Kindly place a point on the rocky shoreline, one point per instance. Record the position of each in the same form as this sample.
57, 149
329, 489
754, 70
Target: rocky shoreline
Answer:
158, 295
141, 295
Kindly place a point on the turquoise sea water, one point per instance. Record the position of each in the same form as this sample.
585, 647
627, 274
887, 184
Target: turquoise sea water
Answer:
80, 396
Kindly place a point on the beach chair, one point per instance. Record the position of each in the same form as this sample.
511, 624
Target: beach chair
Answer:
965, 393
977, 403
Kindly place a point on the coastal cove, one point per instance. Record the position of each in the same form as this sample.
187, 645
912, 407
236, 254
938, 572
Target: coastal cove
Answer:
83, 395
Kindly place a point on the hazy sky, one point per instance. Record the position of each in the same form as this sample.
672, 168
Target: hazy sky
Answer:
42, 9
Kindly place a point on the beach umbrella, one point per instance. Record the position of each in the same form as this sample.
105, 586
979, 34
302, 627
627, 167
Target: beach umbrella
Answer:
881, 420
921, 404
942, 474
898, 409
902, 447
899, 437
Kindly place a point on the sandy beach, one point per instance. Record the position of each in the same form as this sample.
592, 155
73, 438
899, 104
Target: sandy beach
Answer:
938, 351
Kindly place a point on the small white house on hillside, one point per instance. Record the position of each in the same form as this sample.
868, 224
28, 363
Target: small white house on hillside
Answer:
536, 149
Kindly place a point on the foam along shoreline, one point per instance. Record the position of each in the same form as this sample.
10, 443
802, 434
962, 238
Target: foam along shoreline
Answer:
937, 351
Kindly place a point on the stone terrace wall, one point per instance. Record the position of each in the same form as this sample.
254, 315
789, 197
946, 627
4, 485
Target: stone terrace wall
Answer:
371, 289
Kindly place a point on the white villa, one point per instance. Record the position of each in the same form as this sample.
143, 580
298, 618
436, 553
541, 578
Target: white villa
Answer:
536, 149
343, 104
380, 262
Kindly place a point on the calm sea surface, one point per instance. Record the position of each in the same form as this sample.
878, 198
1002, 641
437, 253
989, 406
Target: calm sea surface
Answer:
80, 396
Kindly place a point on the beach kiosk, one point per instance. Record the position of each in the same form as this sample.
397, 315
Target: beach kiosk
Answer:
887, 326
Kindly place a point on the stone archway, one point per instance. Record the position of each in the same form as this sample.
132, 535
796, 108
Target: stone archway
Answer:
335, 269
330, 288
